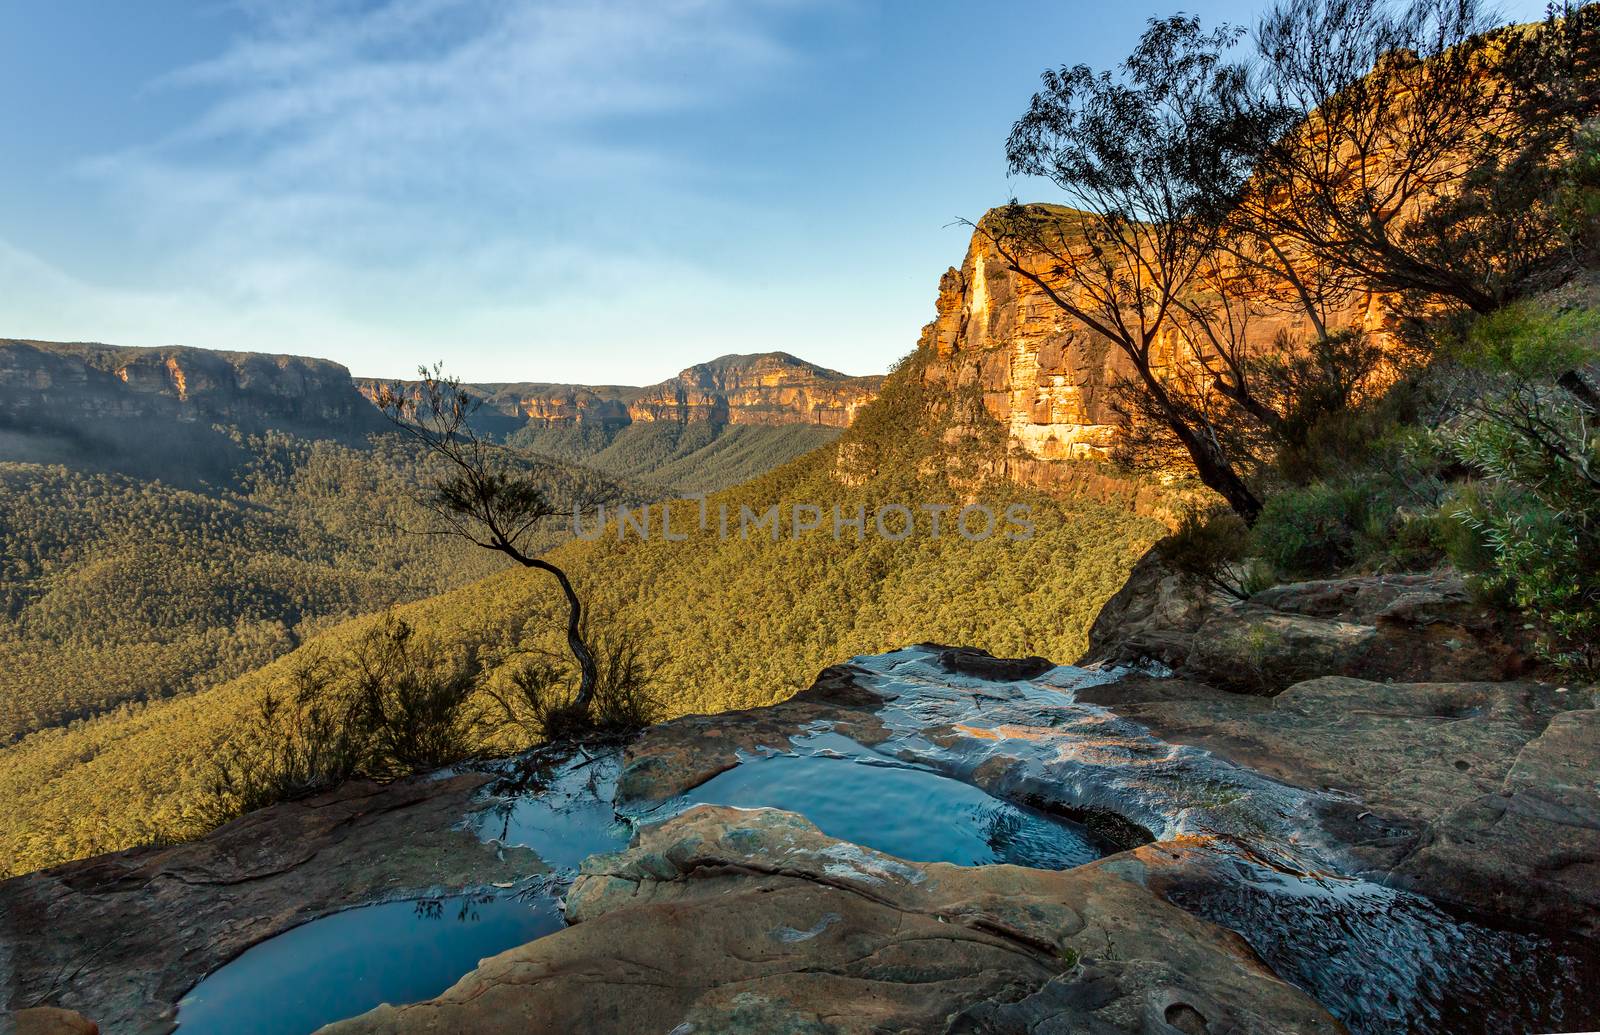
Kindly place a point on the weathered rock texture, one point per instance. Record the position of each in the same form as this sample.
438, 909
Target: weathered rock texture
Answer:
1324, 825
726, 921
121, 937
62, 384
1422, 627
768, 388
1303, 821
49, 1020
1480, 795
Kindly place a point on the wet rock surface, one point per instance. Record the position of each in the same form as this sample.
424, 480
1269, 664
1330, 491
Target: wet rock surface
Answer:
722, 920
1480, 795
1267, 875
50, 1020
120, 938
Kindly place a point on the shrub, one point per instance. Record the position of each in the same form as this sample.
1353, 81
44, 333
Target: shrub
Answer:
540, 693
1254, 653
1316, 530
1460, 517
1529, 430
1208, 549
414, 700
1545, 560
394, 706
290, 747
1578, 203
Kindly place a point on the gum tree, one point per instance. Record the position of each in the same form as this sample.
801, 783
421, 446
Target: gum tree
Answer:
1151, 157
486, 498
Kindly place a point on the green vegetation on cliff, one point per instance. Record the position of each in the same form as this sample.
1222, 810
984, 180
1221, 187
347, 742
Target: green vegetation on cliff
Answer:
680, 458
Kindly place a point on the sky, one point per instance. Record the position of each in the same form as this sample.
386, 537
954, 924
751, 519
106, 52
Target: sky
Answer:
550, 190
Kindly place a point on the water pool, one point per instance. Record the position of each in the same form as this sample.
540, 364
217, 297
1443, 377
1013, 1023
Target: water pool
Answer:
904, 811
348, 962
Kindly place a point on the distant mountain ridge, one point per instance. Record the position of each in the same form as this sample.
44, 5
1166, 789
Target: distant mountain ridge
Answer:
60, 385
767, 388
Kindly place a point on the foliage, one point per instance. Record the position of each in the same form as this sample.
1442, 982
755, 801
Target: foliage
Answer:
1253, 651
1315, 530
677, 459
413, 700
1527, 426
1209, 549
1151, 157
290, 747
394, 705
540, 692
1278, 416
1417, 165
114, 590
1392, 147
487, 497
1577, 202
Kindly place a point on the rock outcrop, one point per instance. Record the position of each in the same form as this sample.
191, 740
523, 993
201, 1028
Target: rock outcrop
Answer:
119, 938
1323, 826
1476, 794
766, 388
55, 384
726, 921
1046, 378
1415, 627
49, 1020
1413, 854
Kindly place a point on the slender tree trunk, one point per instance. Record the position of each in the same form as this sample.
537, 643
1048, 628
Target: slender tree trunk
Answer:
1218, 475
589, 672
1210, 463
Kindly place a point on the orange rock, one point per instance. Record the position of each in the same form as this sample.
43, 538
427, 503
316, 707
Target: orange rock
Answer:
52, 1020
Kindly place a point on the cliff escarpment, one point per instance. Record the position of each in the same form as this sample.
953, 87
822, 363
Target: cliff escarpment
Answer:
771, 388
1047, 378
54, 384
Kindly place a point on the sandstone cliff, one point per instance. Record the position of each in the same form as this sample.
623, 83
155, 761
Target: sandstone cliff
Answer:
55, 384
766, 388
1044, 376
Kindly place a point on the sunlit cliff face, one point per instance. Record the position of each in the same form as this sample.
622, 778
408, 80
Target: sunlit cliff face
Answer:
76, 381
1046, 377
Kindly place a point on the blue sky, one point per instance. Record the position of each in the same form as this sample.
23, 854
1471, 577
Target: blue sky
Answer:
557, 191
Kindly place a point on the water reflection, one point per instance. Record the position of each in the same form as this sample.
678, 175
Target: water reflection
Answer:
904, 811
349, 962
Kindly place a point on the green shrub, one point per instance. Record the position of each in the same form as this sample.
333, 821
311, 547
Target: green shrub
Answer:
1460, 517
394, 706
1316, 530
1529, 431
1578, 202
288, 748
538, 694
1545, 561
413, 700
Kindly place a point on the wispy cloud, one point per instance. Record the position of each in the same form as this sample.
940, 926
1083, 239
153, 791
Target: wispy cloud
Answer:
391, 171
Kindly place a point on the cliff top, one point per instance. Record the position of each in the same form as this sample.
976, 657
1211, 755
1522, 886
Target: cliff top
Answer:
96, 353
